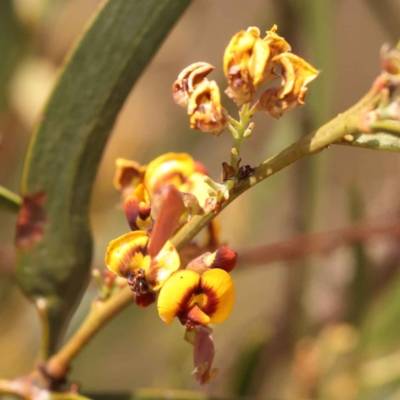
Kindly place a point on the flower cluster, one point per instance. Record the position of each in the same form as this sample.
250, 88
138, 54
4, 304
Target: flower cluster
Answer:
250, 62
158, 200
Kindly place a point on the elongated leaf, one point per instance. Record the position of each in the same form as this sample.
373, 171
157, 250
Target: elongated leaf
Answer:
54, 254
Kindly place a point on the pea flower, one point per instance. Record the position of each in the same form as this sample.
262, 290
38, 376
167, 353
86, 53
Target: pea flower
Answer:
248, 62
128, 257
296, 75
145, 257
205, 110
178, 169
197, 299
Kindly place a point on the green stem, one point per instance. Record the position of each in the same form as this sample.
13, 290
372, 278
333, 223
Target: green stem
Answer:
9, 201
387, 126
102, 312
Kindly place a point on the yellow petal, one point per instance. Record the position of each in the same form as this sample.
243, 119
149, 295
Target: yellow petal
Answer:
162, 266
128, 253
176, 293
219, 288
169, 168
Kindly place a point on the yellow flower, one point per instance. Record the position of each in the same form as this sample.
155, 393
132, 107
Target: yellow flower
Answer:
187, 81
205, 110
297, 74
197, 299
180, 170
248, 62
127, 257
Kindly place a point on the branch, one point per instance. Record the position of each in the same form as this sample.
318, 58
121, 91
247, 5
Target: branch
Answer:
344, 124
306, 245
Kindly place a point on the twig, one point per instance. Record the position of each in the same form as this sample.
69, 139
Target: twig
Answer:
305, 245
344, 124
9, 201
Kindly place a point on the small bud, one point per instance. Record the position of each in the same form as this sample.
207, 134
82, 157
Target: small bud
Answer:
249, 130
234, 152
390, 63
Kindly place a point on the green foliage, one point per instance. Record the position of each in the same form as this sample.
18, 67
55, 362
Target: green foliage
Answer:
65, 150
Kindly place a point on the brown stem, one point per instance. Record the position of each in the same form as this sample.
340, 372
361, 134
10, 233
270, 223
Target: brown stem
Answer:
306, 245
101, 312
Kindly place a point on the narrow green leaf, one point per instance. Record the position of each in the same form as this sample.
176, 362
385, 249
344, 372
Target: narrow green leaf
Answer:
54, 254
9, 201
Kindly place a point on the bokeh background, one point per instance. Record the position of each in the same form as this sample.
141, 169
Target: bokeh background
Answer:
323, 326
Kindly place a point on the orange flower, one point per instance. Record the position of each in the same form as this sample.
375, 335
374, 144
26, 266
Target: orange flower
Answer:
248, 62
197, 299
297, 74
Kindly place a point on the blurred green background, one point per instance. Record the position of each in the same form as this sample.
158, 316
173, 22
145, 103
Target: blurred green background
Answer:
322, 327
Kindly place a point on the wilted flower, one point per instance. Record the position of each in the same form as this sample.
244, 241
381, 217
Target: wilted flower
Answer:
248, 62
204, 351
205, 110
187, 81
197, 299
296, 75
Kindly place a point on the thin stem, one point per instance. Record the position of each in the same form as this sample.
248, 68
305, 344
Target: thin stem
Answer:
102, 312
9, 201
387, 126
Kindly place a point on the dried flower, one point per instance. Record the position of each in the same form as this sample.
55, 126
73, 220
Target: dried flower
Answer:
297, 74
205, 110
187, 81
248, 62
